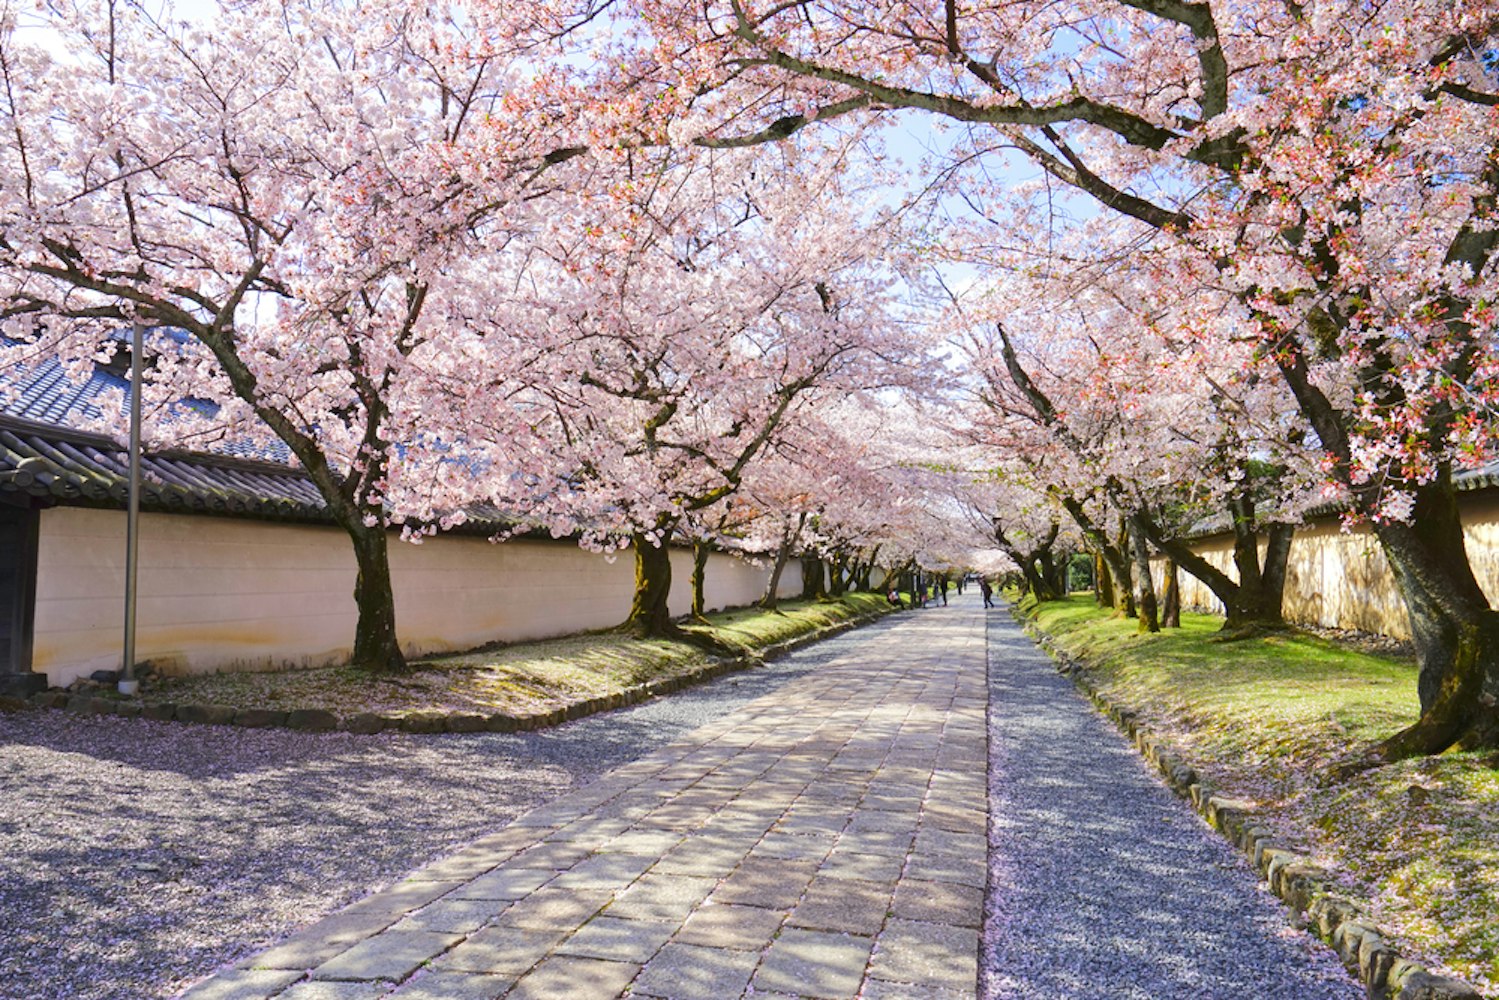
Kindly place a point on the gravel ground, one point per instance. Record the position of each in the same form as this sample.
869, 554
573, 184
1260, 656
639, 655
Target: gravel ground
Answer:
137, 857
1104, 885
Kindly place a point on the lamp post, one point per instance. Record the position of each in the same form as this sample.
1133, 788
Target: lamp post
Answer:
129, 684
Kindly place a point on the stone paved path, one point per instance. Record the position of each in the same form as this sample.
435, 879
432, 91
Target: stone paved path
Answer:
825, 841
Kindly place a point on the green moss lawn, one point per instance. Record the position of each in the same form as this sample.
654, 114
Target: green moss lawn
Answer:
1264, 718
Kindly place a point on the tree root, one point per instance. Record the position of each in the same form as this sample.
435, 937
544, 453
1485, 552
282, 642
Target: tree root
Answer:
1250, 630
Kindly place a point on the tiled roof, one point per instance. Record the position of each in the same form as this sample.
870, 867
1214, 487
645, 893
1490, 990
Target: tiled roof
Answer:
44, 422
44, 393
90, 469
1481, 478
47, 416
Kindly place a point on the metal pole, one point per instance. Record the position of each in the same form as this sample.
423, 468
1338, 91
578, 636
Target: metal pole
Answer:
128, 682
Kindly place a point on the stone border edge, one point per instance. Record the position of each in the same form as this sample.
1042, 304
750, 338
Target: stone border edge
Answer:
1301, 884
425, 723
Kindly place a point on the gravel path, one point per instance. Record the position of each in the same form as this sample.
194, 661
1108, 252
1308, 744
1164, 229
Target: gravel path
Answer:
137, 856
1104, 885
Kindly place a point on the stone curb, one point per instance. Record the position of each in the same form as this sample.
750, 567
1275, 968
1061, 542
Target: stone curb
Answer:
369, 723
1301, 884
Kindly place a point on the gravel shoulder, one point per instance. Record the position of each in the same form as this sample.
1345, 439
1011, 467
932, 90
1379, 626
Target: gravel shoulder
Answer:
136, 856
1103, 885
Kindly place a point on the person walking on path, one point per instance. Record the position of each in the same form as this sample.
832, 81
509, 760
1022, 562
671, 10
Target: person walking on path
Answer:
987, 591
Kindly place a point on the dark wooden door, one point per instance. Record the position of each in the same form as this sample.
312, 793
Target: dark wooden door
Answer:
18, 536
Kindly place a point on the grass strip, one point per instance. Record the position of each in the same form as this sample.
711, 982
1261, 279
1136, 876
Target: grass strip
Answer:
1263, 718
526, 678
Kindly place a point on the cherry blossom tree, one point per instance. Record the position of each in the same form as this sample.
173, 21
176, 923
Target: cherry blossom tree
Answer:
1331, 167
288, 183
686, 308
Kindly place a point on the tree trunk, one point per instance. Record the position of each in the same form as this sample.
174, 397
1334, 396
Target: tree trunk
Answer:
812, 578
1455, 632
771, 599
866, 573
1036, 566
837, 578
650, 615
789, 536
1103, 582
700, 553
1145, 603
1115, 554
1171, 599
1253, 601
375, 644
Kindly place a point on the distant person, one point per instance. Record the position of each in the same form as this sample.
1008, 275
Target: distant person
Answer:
894, 598
942, 588
987, 591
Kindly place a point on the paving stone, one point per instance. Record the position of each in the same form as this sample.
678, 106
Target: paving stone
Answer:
650, 843
469, 863
690, 972
390, 955
335, 991
566, 978
768, 882
869, 867
878, 989
808, 820
743, 927
849, 905
454, 986
243, 984
501, 949
814, 964
662, 897
618, 940
607, 871
316, 944
880, 820
927, 954
813, 847
939, 868
555, 908
458, 916
558, 855
936, 841
699, 856
938, 902
403, 897
896, 842
505, 883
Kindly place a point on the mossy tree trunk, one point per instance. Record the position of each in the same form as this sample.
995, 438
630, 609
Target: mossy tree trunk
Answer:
813, 574
1171, 596
701, 551
1255, 600
838, 571
1145, 602
1114, 554
1453, 627
1036, 565
650, 612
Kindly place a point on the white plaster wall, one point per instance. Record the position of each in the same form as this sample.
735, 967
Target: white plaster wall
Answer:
227, 594
1341, 579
